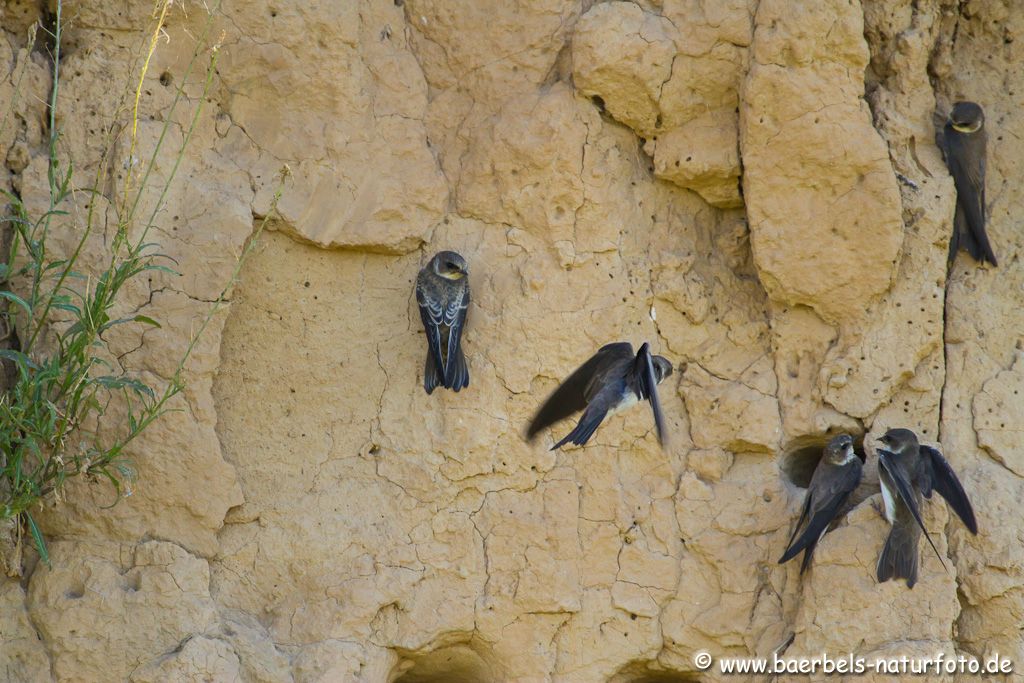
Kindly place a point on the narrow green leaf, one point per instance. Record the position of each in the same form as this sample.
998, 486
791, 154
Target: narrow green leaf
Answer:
37, 538
117, 487
163, 269
70, 308
77, 328
18, 357
11, 296
120, 321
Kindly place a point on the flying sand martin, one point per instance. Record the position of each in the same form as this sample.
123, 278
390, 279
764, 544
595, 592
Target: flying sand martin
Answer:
836, 476
442, 291
906, 471
612, 380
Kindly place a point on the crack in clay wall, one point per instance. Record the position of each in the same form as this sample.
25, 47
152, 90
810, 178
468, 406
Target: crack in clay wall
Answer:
311, 515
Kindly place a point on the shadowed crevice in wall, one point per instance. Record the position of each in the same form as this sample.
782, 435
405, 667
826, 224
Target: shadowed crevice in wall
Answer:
453, 664
651, 672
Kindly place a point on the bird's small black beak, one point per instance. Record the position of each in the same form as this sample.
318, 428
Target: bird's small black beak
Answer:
881, 439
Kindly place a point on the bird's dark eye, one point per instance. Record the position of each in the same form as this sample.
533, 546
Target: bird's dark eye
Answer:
451, 266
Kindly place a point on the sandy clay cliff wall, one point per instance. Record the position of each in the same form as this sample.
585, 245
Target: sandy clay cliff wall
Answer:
718, 177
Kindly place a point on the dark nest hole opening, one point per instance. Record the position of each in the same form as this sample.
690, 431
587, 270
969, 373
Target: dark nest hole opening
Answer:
804, 454
661, 678
453, 664
651, 672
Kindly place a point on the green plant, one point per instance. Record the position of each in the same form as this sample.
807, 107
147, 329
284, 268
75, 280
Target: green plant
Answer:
60, 384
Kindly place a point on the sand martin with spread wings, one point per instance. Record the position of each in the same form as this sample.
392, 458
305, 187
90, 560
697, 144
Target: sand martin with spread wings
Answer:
906, 471
836, 476
964, 142
612, 380
442, 291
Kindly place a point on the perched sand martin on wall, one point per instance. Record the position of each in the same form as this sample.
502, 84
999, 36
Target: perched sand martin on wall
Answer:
836, 476
964, 141
906, 471
612, 380
442, 291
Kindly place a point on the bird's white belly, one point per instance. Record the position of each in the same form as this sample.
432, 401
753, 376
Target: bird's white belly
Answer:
629, 399
888, 499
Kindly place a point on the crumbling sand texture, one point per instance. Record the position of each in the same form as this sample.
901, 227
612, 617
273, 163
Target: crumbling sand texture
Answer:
752, 186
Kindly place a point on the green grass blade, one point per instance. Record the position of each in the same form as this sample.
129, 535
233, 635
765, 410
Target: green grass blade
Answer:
37, 539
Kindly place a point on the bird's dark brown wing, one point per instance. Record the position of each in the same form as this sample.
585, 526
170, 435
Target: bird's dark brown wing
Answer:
644, 369
571, 396
430, 314
443, 313
938, 475
888, 462
597, 408
965, 157
804, 509
829, 488
457, 374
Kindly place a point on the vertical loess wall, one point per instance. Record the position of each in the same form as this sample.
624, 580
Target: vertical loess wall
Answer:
979, 48
751, 186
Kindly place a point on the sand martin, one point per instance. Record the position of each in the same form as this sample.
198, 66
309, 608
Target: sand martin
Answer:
836, 476
906, 471
442, 291
964, 140
612, 380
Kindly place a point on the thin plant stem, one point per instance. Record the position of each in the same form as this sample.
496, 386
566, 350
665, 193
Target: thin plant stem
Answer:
53, 103
50, 416
168, 118
138, 95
